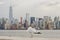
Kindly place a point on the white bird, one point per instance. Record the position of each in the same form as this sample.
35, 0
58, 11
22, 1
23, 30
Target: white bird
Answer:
32, 31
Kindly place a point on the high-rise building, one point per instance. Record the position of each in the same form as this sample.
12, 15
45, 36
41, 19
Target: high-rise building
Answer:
27, 18
21, 20
45, 21
11, 15
59, 22
56, 22
48, 22
7, 25
15, 21
40, 23
32, 20
36, 23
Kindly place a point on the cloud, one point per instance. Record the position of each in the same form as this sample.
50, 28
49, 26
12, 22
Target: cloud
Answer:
1, 3
34, 7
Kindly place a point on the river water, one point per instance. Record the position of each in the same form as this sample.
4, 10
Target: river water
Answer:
24, 33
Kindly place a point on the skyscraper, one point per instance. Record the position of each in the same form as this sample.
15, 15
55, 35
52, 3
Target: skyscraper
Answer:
40, 23
11, 15
56, 22
21, 20
48, 24
27, 18
32, 19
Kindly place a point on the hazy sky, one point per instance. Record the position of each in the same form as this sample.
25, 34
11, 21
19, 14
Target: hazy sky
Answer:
37, 8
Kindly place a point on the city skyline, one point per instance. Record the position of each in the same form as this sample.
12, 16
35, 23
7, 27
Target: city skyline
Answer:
37, 8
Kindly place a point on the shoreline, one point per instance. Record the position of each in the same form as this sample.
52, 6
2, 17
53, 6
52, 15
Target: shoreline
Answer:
25, 34
23, 38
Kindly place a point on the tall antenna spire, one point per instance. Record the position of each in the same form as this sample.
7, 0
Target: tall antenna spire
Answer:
11, 13
10, 3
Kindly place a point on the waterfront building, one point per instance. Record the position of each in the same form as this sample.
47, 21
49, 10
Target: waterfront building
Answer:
32, 19
40, 23
28, 18
47, 22
7, 25
11, 19
21, 20
26, 24
56, 22
36, 23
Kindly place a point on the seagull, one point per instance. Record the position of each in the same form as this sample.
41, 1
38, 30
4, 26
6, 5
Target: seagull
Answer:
32, 31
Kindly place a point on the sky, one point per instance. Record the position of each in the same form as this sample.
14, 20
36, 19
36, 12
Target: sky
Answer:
37, 8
